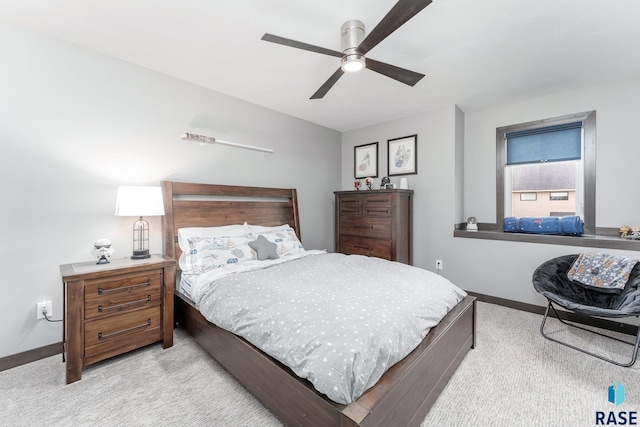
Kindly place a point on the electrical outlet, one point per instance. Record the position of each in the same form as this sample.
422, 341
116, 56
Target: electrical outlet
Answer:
44, 305
438, 264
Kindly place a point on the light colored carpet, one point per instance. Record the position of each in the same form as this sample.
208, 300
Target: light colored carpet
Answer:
514, 377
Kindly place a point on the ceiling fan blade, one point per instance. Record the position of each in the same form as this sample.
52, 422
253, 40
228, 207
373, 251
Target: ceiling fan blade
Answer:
397, 16
328, 84
402, 75
300, 45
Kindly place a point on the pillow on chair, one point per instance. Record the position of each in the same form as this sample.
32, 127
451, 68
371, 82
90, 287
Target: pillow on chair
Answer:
601, 272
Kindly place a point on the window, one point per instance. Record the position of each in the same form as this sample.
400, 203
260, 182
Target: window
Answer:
554, 159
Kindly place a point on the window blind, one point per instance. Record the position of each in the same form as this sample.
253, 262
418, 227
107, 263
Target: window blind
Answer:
548, 144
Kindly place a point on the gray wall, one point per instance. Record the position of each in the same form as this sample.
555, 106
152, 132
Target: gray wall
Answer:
434, 185
76, 124
456, 179
504, 268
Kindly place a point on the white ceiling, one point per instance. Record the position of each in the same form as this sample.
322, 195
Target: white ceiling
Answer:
475, 53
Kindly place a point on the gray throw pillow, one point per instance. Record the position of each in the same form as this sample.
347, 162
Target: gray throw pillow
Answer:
264, 248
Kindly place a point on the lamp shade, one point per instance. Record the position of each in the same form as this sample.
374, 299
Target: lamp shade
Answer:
139, 201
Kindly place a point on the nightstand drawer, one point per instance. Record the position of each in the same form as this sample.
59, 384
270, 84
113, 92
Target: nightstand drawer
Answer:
130, 329
368, 227
127, 292
364, 246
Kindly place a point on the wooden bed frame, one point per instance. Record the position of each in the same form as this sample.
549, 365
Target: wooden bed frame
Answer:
404, 394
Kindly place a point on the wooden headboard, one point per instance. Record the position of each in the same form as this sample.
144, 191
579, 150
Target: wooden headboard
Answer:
210, 205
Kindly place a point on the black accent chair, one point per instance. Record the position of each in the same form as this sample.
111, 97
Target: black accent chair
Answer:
550, 279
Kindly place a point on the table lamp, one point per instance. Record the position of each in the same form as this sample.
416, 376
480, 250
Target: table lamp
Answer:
140, 201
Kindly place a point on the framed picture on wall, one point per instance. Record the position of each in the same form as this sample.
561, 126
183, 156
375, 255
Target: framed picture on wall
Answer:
365, 160
402, 156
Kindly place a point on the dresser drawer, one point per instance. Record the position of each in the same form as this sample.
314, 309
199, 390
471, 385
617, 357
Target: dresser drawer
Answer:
367, 227
365, 246
122, 293
126, 330
351, 205
377, 205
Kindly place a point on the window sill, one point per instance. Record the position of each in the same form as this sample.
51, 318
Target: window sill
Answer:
605, 239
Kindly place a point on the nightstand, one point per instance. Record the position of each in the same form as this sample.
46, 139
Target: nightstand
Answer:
110, 309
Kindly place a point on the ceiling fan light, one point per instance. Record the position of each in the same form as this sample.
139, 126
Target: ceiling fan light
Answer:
352, 63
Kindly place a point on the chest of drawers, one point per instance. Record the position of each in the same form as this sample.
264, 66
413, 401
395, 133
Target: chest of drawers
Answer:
375, 223
113, 308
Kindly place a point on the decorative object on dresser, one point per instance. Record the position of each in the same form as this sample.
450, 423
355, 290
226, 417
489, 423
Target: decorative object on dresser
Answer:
139, 201
369, 182
375, 224
110, 309
402, 156
365, 160
102, 250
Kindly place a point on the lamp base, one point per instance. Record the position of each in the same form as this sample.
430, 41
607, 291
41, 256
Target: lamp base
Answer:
141, 254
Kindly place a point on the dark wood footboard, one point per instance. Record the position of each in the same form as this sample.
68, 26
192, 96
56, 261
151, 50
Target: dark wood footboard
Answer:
402, 397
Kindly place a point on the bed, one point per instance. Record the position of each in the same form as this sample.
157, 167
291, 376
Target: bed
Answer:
402, 396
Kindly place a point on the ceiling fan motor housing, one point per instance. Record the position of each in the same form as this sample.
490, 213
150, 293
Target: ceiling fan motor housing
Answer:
352, 35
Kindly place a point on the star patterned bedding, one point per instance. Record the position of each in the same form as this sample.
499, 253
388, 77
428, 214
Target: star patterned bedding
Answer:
339, 321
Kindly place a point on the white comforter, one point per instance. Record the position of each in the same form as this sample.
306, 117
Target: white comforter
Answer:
340, 321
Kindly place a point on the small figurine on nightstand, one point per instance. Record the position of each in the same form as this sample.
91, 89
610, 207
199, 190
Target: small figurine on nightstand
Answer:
356, 185
102, 250
369, 182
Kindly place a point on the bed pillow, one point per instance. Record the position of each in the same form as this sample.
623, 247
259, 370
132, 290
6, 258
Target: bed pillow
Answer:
194, 233
267, 229
219, 253
283, 236
206, 248
601, 272
264, 248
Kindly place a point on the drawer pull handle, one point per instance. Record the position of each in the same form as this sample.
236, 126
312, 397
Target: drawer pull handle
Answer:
102, 336
369, 248
363, 226
117, 306
106, 291
386, 211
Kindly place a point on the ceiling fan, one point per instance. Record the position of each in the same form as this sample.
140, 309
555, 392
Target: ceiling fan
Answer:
355, 46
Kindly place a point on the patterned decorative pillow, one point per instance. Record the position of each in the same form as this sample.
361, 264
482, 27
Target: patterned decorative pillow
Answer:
601, 272
264, 248
218, 258
283, 236
213, 247
185, 234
